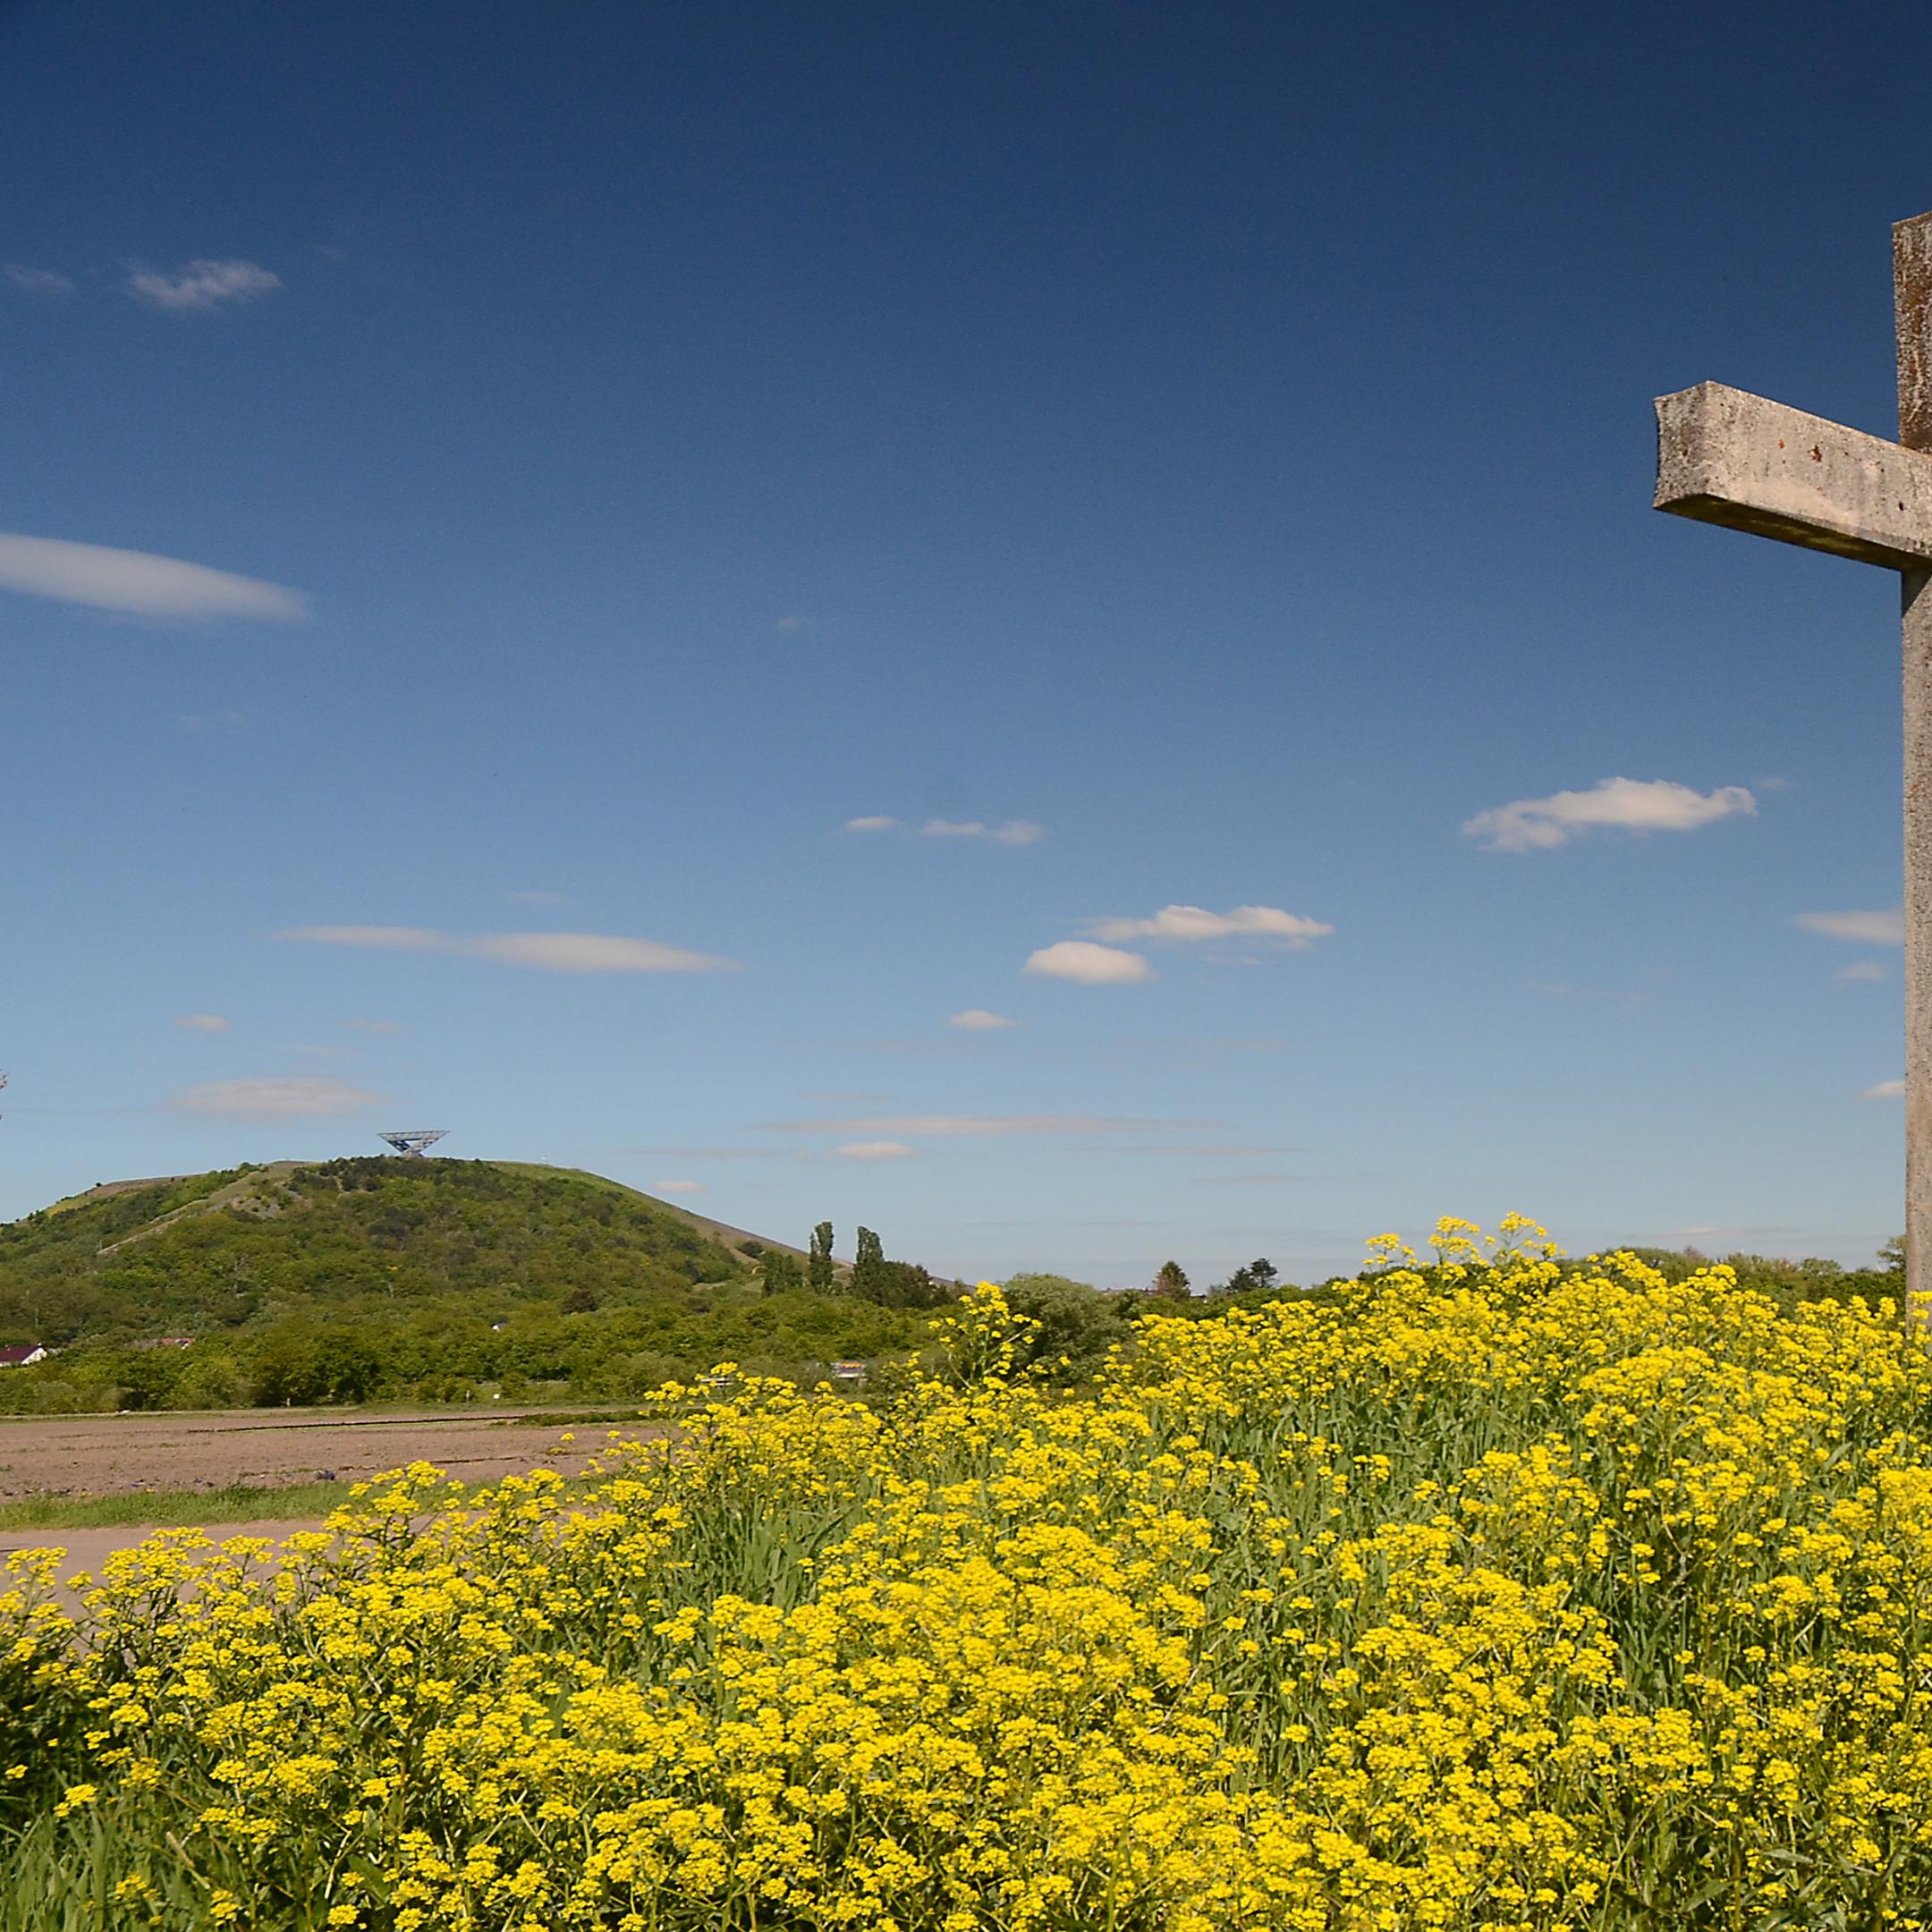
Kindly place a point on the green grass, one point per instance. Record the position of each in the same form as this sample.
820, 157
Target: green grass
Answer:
167, 1508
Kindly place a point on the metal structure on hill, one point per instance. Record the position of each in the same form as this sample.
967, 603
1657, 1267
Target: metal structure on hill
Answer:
415, 1141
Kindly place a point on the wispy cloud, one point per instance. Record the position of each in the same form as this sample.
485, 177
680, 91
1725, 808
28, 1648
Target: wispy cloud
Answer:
1865, 928
1188, 922
1890, 1089
360, 1025
203, 285
268, 1099
1620, 804
38, 280
978, 1020
1246, 1180
1013, 831
1090, 964
1861, 972
563, 953
922, 1125
873, 1150
202, 1023
137, 584
677, 1187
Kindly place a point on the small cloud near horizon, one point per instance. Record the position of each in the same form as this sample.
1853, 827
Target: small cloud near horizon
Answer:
1864, 928
1088, 965
978, 1020
360, 1025
874, 822
136, 583
873, 1150
202, 285
202, 1023
1889, 1089
1861, 972
276, 1099
1190, 923
677, 1187
563, 953
1615, 804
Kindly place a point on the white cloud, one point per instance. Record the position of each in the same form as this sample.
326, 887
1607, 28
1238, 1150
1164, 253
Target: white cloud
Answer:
1860, 971
203, 1022
876, 822
920, 1125
1623, 804
873, 1150
137, 583
565, 953
1192, 922
677, 1187
1866, 928
39, 281
1890, 1089
203, 285
360, 1025
789, 624
1090, 965
274, 1098
978, 1020
1013, 831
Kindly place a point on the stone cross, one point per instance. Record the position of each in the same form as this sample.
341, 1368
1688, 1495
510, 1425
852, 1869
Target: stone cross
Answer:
1726, 457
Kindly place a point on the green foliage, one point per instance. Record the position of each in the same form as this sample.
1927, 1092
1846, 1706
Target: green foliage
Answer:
818, 1269
1171, 1283
780, 1271
1076, 1324
868, 1265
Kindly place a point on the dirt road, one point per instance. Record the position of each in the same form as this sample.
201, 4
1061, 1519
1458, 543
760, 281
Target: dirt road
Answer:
107, 1455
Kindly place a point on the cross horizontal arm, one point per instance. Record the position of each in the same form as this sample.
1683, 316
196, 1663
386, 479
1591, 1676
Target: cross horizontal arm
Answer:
1724, 456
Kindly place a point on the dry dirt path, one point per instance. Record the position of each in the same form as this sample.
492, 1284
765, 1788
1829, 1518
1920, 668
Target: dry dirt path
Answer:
111, 1455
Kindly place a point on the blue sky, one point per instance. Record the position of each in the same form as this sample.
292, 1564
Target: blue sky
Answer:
1206, 449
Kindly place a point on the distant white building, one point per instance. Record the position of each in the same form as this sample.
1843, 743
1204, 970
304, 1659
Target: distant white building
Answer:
22, 1355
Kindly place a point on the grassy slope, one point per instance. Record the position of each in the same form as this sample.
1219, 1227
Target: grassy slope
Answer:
209, 1251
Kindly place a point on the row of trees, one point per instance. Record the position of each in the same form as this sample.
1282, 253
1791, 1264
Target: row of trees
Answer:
1169, 1282
884, 1283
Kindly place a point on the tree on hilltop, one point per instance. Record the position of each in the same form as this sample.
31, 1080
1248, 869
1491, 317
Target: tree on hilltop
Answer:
1171, 1283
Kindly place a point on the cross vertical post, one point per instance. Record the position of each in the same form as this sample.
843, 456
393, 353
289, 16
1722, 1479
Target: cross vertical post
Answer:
1911, 278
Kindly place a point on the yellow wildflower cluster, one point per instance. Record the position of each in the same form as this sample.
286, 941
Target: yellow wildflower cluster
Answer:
1509, 1593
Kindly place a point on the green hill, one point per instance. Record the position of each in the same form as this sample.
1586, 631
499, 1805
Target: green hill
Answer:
395, 1276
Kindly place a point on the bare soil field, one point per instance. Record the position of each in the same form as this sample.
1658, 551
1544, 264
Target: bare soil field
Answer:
110, 1455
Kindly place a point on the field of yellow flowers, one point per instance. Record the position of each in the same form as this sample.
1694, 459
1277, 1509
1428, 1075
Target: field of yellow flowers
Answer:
1510, 1593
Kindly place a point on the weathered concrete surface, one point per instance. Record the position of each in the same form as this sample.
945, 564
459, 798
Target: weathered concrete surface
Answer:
1918, 689
1911, 294
1726, 456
